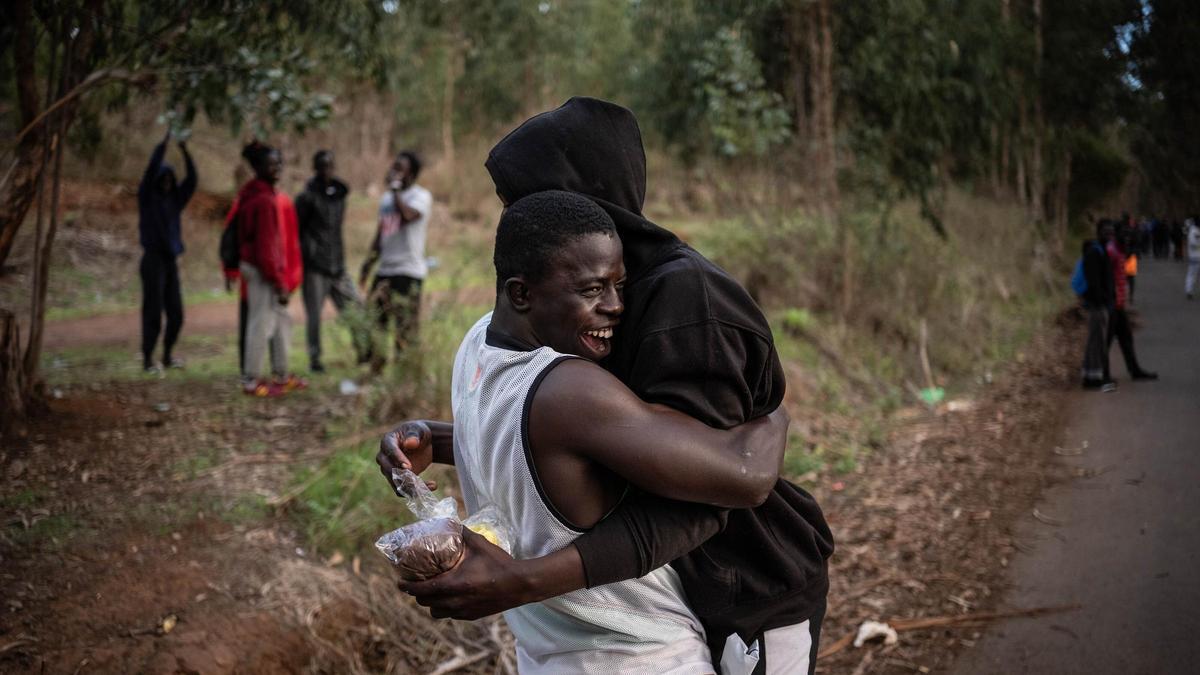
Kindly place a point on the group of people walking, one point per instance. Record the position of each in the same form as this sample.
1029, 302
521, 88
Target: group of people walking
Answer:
273, 246
1105, 283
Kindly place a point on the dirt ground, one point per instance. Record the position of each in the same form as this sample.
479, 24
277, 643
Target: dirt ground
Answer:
120, 555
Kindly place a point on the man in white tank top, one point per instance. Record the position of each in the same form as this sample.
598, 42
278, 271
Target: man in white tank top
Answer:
551, 440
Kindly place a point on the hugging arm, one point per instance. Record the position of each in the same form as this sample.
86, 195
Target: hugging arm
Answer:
655, 448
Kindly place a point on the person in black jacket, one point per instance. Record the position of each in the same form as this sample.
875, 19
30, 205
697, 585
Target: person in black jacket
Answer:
1098, 301
692, 339
161, 200
320, 211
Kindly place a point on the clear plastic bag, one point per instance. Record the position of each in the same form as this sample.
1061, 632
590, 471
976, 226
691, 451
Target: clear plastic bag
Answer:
434, 544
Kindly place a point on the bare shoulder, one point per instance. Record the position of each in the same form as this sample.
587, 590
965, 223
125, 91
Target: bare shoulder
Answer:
575, 383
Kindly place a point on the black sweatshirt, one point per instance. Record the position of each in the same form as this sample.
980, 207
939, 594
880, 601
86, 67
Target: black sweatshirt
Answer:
1098, 272
320, 210
691, 338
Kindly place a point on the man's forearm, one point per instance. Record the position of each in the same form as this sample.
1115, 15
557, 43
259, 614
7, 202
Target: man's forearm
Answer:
644, 533
552, 575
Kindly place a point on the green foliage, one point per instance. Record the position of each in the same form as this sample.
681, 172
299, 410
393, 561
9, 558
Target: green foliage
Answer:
918, 85
741, 116
1097, 170
1167, 104
243, 63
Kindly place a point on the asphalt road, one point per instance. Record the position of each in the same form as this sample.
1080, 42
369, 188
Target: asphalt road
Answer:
1128, 544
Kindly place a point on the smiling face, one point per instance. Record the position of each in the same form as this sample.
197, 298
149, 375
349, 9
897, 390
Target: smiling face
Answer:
576, 305
269, 167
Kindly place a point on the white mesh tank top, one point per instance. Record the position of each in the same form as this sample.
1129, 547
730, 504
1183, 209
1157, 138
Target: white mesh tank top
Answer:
636, 626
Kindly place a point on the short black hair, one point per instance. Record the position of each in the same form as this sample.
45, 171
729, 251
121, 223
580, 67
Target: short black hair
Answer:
322, 156
414, 162
536, 227
255, 152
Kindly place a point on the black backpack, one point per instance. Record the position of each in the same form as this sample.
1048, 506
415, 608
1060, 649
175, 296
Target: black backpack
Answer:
230, 251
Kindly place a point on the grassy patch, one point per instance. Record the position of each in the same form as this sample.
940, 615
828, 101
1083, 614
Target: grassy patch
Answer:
345, 504
54, 530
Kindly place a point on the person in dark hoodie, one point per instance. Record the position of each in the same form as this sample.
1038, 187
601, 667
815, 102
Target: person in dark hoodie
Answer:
1097, 300
694, 340
320, 210
161, 200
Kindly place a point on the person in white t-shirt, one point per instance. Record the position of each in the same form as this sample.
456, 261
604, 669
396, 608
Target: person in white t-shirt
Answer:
1192, 229
399, 248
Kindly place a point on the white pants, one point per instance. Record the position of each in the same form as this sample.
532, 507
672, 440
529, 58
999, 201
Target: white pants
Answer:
1192, 273
266, 319
786, 651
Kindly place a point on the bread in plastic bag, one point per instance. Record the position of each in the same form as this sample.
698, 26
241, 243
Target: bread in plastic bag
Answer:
434, 544
425, 548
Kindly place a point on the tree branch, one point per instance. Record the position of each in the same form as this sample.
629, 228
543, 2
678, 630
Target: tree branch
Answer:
96, 79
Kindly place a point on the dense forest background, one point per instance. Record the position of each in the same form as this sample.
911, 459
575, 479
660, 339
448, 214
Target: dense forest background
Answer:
902, 185
815, 127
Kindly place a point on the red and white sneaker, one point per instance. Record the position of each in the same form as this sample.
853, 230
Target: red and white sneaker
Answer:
263, 389
292, 383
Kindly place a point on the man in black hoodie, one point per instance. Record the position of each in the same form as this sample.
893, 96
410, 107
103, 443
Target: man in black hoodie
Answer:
320, 210
161, 200
691, 339
1098, 300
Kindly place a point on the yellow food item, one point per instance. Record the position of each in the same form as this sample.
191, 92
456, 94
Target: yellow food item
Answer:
486, 532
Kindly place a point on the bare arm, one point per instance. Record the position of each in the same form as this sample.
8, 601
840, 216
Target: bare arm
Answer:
407, 213
653, 447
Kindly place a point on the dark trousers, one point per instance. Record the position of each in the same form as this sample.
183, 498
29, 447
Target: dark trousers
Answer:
1095, 351
160, 295
397, 300
318, 286
1132, 280
1120, 330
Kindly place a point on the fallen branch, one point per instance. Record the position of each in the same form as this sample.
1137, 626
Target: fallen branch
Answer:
1043, 518
462, 660
902, 625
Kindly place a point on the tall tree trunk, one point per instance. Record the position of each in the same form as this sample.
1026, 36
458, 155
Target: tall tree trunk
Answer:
1037, 179
453, 68
1022, 182
44, 245
1005, 159
825, 137
12, 375
21, 185
1062, 206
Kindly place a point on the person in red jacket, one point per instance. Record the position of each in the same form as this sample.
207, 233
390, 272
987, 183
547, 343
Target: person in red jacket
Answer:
270, 268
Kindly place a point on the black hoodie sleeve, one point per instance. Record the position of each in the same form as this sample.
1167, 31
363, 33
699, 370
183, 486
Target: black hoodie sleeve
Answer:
188, 187
643, 534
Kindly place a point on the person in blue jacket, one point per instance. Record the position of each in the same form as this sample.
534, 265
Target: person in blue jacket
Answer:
161, 200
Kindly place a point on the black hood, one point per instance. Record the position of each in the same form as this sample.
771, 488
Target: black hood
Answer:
340, 190
165, 169
591, 147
